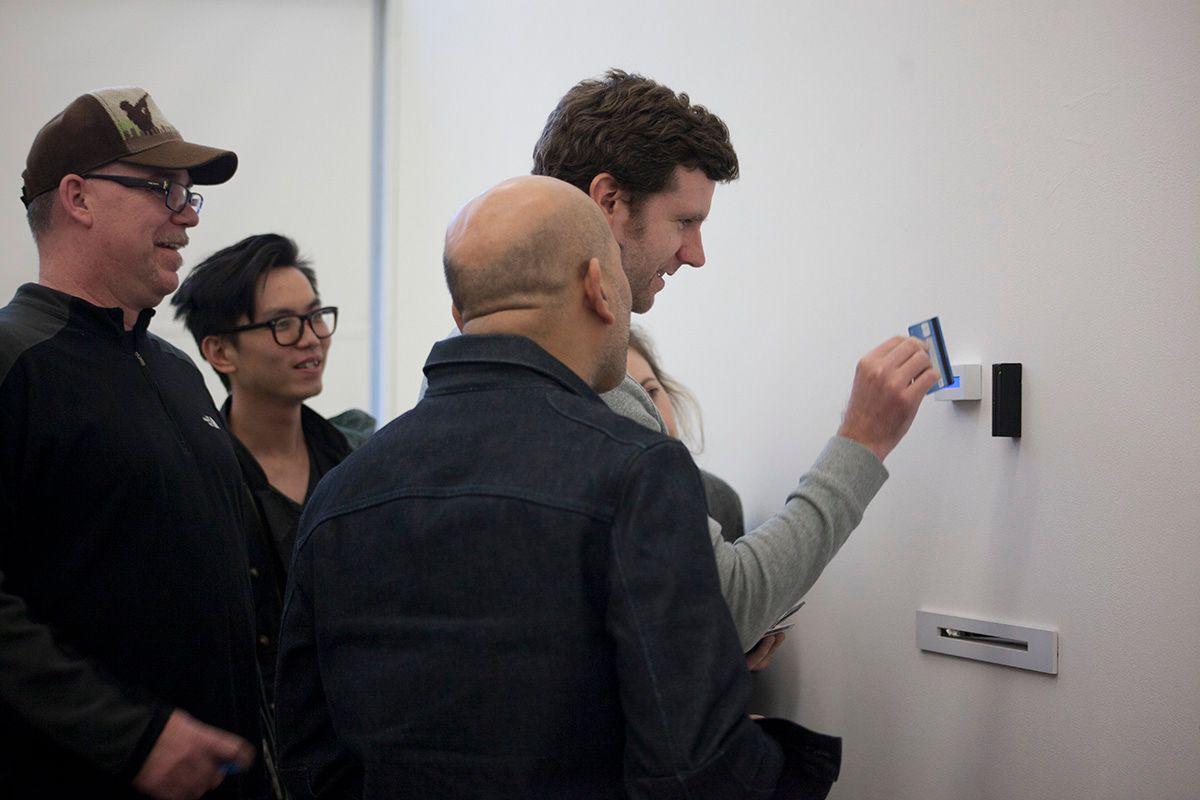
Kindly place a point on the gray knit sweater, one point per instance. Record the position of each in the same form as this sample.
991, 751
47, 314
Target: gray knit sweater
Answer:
767, 571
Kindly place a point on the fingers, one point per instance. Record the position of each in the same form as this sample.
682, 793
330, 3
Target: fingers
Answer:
760, 653
766, 660
915, 366
760, 657
905, 347
889, 384
881, 352
909, 361
904, 357
230, 753
921, 385
229, 748
190, 758
227, 754
901, 362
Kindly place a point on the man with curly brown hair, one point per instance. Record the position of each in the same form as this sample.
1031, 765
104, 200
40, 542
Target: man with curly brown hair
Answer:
651, 160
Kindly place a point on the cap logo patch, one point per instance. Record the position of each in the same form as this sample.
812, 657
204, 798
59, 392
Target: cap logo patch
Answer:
118, 123
139, 113
134, 112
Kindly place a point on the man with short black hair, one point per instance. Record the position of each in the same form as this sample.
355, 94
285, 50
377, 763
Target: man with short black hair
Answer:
256, 316
126, 629
651, 160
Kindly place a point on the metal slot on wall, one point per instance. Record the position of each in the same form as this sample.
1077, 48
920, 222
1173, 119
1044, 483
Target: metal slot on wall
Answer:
994, 642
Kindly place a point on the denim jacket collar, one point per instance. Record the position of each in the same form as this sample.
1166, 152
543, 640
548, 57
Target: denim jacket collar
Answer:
496, 359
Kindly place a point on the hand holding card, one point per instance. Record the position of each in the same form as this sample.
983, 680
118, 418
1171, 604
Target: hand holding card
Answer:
889, 384
931, 331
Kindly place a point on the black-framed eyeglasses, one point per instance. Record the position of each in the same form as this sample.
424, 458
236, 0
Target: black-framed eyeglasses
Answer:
289, 328
176, 196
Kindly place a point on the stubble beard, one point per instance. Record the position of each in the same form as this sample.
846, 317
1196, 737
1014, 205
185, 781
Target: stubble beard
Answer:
639, 276
611, 370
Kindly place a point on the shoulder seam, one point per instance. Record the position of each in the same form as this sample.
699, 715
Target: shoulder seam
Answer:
18, 336
605, 515
170, 349
551, 401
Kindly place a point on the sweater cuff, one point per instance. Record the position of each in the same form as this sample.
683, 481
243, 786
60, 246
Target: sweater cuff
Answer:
145, 743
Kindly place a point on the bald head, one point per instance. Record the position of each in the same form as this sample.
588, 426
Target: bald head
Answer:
522, 245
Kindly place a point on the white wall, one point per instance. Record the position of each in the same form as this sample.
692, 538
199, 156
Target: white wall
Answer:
1030, 172
284, 84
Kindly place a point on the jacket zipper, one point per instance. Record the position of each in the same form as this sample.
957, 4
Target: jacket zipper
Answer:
162, 403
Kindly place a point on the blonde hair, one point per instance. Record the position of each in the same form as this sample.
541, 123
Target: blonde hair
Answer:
687, 409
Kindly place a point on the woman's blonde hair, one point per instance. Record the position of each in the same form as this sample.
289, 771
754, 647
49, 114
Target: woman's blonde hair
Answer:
688, 419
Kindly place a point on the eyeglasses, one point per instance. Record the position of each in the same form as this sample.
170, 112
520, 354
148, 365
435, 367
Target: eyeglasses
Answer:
289, 328
176, 196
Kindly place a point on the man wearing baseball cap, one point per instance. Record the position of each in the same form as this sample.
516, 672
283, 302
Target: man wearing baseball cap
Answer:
127, 665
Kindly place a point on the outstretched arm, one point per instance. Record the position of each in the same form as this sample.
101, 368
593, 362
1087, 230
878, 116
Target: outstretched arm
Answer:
768, 570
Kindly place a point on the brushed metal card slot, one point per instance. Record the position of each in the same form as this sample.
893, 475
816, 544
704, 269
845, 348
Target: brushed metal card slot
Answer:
983, 638
1017, 646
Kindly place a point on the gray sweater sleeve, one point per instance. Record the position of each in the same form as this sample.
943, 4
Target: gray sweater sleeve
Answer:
767, 571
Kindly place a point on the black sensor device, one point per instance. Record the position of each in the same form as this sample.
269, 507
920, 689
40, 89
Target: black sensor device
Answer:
1006, 400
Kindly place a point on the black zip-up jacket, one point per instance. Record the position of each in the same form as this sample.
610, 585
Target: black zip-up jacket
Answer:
123, 585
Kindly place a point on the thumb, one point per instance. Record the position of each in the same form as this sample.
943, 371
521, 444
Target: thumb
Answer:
228, 747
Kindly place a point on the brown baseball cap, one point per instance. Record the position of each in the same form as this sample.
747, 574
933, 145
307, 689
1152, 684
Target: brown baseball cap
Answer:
117, 124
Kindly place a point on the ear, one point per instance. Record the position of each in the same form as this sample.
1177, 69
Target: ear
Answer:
220, 352
607, 193
594, 298
458, 320
75, 199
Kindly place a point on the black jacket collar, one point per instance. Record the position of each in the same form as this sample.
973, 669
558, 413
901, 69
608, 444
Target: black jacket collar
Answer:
106, 322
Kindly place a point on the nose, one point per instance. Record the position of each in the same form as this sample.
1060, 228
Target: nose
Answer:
692, 251
188, 218
308, 337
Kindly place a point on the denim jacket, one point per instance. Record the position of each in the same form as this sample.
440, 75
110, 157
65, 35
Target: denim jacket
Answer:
510, 592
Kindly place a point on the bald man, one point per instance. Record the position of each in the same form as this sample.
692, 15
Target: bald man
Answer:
509, 592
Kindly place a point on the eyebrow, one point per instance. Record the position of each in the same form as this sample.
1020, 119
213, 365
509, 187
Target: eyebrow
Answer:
271, 313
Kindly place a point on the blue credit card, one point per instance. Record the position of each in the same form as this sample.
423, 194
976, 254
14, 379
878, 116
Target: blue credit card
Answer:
931, 331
